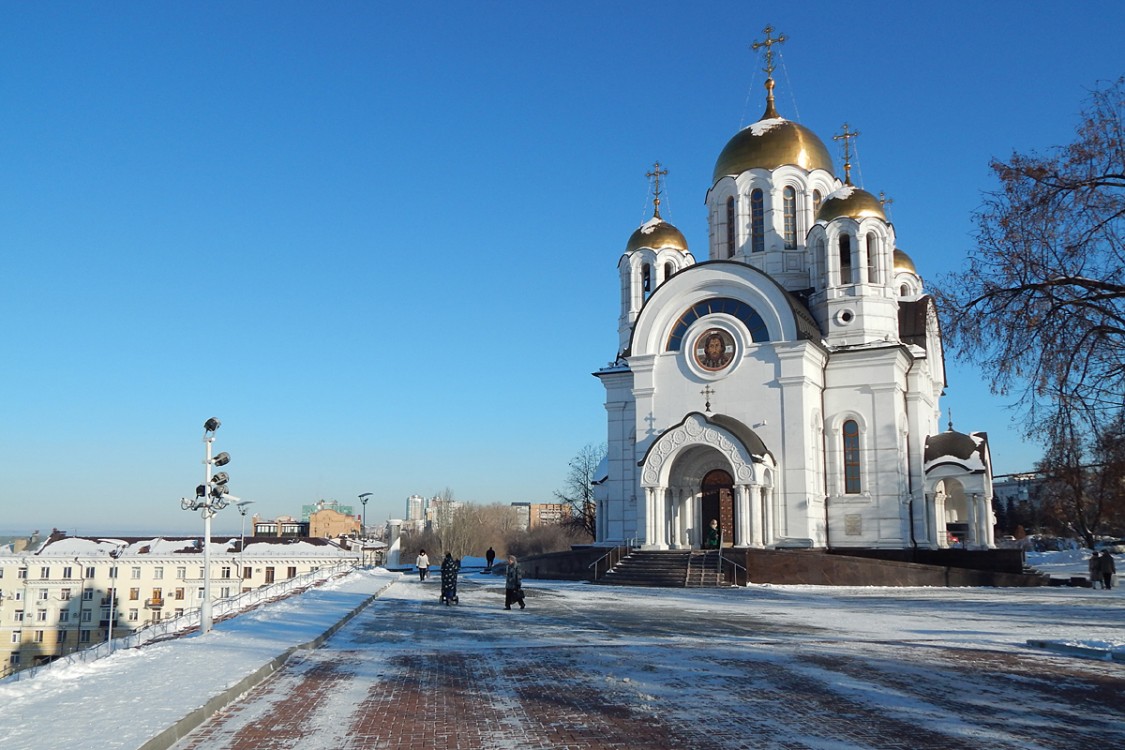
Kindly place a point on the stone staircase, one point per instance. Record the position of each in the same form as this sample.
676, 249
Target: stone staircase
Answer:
666, 569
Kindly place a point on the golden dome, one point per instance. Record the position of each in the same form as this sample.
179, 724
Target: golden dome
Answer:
657, 234
770, 143
904, 263
852, 202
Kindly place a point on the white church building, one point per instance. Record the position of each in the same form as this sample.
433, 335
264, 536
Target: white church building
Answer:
788, 385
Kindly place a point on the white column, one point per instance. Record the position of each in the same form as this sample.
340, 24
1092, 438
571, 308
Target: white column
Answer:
756, 515
769, 517
650, 516
743, 514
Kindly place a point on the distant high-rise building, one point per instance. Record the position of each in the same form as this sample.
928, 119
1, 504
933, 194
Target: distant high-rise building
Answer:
416, 506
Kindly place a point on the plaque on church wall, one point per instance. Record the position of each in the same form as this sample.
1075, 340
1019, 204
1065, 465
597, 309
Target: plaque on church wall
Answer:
714, 349
853, 524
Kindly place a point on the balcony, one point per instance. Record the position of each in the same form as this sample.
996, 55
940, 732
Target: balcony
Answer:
154, 603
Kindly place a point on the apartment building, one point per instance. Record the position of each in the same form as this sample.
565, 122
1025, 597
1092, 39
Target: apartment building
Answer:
70, 593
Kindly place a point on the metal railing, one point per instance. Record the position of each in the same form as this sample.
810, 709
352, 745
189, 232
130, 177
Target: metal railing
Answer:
610, 559
188, 620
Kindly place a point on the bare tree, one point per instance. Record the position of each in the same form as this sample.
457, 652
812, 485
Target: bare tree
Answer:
1085, 478
1041, 305
578, 488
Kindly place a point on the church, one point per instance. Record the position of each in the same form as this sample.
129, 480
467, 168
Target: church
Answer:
785, 390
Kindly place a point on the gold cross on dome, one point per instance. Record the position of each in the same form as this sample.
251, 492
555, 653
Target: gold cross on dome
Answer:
655, 176
885, 200
707, 393
846, 137
768, 44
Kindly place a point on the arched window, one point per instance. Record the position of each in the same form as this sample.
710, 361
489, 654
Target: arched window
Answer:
852, 484
816, 199
669, 269
845, 259
789, 211
757, 222
646, 280
730, 227
819, 263
903, 290
872, 260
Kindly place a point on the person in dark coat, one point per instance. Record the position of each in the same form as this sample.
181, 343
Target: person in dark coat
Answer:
1095, 570
449, 569
1108, 568
489, 557
513, 584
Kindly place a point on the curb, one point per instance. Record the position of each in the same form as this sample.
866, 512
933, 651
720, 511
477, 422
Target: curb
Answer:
216, 703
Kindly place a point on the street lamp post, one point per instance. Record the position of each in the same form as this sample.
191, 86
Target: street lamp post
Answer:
115, 554
363, 526
241, 505
210, 497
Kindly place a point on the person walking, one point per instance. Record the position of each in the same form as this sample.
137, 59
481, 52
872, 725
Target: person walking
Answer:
489, 558
513, 584
1095, 565
1108, 568
449, 569
712, 536
423, 563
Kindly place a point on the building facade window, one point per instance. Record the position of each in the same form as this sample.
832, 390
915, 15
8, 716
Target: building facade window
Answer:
225, 572
135, 573
64, 615
87, 595
68, 572
158, 573
134, 594
21, 573
44, 572
852, 481
180, 593
731, 249
90, 571
17, 636
87, 615
134, 615
845, 259
789, 213
757, 222
84, 636
872, 260
269, 575
292, 571
64, 594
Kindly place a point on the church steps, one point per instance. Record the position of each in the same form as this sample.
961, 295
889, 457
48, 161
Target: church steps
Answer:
666, 569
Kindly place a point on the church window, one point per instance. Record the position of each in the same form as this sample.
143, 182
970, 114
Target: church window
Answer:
819, 262
845, 259
669, 269
730, 227
721, 306
852, 485
816, 199
646, 280
789, 211
757, 222
872, 260
903, 290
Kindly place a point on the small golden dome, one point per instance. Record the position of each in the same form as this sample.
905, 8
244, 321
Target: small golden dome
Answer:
771, 143
852, 202
904, 263
657, 234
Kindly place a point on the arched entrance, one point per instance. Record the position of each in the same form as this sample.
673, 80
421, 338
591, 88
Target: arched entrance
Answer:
717, 501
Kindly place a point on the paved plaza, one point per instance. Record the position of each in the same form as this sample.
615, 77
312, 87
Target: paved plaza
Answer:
599, 667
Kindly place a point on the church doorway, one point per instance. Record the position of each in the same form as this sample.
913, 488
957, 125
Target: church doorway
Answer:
717, 501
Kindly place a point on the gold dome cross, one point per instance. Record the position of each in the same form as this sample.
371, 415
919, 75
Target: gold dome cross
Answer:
846, 137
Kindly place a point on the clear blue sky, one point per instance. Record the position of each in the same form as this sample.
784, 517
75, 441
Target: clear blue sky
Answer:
379, 240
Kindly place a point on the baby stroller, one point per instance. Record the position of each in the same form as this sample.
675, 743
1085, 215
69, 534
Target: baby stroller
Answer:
449, 570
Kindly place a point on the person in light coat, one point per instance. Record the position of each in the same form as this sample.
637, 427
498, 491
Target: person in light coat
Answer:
423, 563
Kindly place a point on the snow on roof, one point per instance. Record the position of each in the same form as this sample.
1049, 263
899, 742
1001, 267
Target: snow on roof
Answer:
650, 226
761, 127
169, 546
843, 193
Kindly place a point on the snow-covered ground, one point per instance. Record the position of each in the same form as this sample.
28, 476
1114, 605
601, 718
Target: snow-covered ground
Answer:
125, 699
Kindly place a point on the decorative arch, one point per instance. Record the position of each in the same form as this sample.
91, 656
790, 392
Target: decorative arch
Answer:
717, 305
